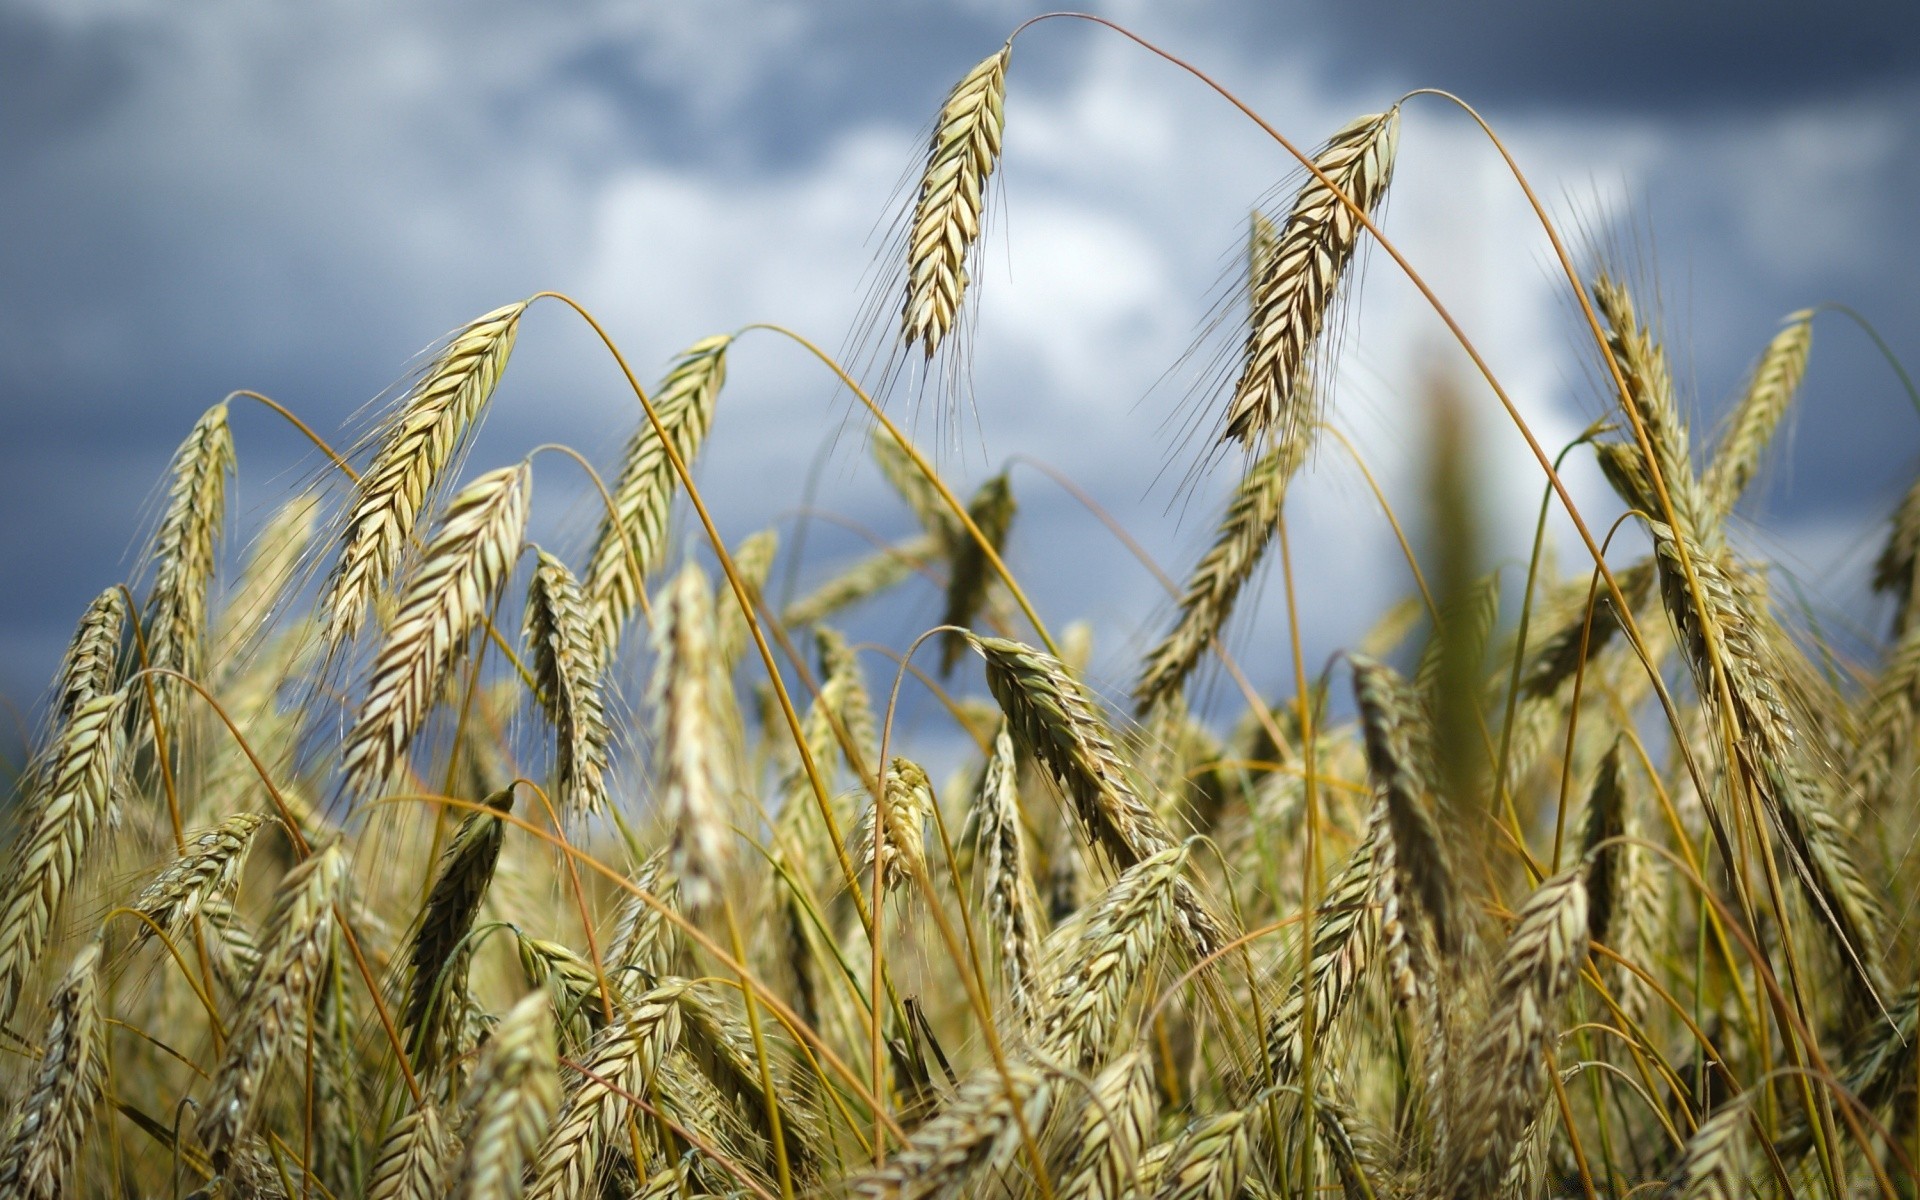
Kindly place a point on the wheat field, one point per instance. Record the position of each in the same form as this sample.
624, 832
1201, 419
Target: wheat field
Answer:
343, 866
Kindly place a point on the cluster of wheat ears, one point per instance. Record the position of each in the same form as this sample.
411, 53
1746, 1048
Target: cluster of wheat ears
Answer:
345, 873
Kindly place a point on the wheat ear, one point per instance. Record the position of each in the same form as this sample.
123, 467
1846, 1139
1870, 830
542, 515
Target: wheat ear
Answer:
953, 191
753, 560
514, 1095
411, 1158
1223, 570
1294, 294
866, 578
416, 445
278, 998
693, 773
210, 867
977, 1131
90, 667
901, 846
434, 978
566, 666
1008, 879
176, 615
1776, 377
626, 550
992, 509
49, 857
1897, 569
1210, 1160
1106, 1144
1643, 362
463, 567
47, 1128
1344, 924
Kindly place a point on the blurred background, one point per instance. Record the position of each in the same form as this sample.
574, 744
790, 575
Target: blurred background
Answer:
299, 198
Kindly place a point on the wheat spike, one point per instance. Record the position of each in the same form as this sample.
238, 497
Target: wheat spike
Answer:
692, 771
90, 667
566, 666
1897, 569
753, 560
1112, 1132
626, 551
1643, 362
644, 938
1776, 377
901, 846
844, 694
464, 566
58, 841
176, 615
277, 999
1294, 294
411, 1158
992, 510
1506, 1072
953, 190
210, 867
976, 1132
416, 446
435, 971
899, 469
259, 590
514, 1095
1210, 1160
1223, 570
866, 578
571, 985
1007, 875
1390, 720
48, 1127
621, 1063
1343, 934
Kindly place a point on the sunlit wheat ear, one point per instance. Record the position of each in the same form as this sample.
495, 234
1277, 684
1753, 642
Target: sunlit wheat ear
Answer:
1214, 586
625, 552
621, 1063
566, 666
466, 869
1769, 750
718, 1040
513, 1097
953, 191
1344, 927
462, 569
1643, 363
416, 445
48, 1126
1897, 570
901, 847
1716, 1164
992, 509
692, 771
1210, 1160
57, 841
1113, 1130
571, 985
1776, 377
1092, 969
90, 669
844, 692
282, 991
411, 1159
263, 582
1390, 719
1007, 874
1506, 1075
210, 867
1302, 273
977, 1131
183, 552
753, 559
867, 578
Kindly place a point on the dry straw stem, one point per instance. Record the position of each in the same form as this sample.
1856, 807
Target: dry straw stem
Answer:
59, 840
1506, 1075
621, 1064
1007, 874
624, 553
514, 1095
992, 509
278, 999
977, 1131
434, 980
51, 1121
1215, 584
184, 546
411, 1159
692, 771
462, 569
416, 446
1776, 378
900, 850
566, 667
210, 868
953, 191
1293, 295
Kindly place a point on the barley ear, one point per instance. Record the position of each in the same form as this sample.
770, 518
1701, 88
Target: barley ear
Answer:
953, 191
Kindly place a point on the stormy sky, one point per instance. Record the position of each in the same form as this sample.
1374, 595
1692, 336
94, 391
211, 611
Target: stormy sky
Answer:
298, 199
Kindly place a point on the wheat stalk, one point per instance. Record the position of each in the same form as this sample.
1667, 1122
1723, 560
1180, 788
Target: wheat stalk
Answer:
566, 667
626, 550
953, 190
463, 567
1296, 290
51, 1121
48, 859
